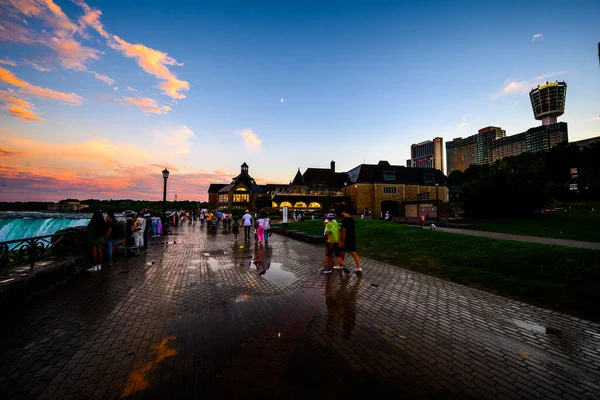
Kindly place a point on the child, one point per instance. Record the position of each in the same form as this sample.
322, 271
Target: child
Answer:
235, 229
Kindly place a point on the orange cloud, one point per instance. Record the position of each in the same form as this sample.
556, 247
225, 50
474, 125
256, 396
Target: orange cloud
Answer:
18, 107
93, 168
91, 18
148, 105
175, 141
37, 91
251, 141
48, 11
73, 54
155, 63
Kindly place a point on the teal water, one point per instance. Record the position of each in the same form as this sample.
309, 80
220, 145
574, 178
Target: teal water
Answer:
14, 226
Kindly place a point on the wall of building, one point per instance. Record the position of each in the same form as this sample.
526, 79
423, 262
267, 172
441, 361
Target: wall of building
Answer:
371, 195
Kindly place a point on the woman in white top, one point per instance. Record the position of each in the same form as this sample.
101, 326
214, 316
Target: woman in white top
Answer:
261, 230
138, 230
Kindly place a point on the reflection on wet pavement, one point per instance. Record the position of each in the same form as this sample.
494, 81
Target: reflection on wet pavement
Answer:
139, 379
274, 273
257, 321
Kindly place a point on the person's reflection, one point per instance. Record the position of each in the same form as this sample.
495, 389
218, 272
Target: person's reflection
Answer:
340, 297
263, 259
246, 256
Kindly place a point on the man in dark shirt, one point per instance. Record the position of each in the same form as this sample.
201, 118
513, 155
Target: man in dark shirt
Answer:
109, 239
348, 241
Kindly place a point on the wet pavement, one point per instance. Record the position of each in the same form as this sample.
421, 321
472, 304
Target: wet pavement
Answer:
199, 316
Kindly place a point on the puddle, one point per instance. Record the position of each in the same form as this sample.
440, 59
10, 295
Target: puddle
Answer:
275, 274
529, 326
216, 265
192, 267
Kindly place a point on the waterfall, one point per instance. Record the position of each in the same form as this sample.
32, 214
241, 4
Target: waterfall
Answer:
26, 227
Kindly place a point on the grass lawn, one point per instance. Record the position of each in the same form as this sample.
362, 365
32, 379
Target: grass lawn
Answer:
563, 278
562, 225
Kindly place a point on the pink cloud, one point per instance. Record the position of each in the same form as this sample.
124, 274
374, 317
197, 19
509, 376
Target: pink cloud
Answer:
37, 91
250, 139
103, 78
148, 105
36, 170
155, 63
7, 61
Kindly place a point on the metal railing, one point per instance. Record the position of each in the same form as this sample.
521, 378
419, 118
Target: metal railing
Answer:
15, 253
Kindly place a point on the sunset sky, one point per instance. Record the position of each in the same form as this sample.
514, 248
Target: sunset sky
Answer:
97, 97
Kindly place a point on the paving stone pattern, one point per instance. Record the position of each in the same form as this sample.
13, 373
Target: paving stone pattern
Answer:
199, 316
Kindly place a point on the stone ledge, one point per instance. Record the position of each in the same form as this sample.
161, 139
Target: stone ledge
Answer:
302, 236
21, 283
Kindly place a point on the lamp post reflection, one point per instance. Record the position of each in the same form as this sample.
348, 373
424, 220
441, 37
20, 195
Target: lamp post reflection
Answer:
164, 218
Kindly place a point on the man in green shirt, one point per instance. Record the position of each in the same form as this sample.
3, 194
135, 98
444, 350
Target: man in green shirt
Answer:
332, 228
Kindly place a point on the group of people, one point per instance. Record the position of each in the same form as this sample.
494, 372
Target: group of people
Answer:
261, 224
102, 232
341, 239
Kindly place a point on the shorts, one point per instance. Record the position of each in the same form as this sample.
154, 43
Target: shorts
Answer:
349, 247
235, 229
97, 241
332, 248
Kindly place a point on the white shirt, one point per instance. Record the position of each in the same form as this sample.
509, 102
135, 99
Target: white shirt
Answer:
247, 218
267, 223
261, 222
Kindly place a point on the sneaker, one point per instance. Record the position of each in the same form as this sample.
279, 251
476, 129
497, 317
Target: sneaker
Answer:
91, 269
338, 267
98, 267
346, 270
235, 240
326, 271
358, 271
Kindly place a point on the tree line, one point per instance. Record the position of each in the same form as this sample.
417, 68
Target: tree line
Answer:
518, 185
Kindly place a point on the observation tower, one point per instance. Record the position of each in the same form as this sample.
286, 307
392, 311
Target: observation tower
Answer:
548, 101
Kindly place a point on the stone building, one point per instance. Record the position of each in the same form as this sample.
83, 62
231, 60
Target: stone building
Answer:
240, 193
376, 188
404, 192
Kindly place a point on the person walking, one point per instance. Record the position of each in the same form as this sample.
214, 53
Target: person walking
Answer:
235, 229
147, 227
159, 228
95, 230
247, 224
332, 247
109, 239
267, 228
138, 230
348, 242
260, 232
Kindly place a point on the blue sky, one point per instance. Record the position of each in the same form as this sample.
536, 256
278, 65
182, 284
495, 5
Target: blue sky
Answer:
359, 81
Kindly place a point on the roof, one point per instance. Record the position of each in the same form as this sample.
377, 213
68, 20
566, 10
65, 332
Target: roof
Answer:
298, 179
383, 172
315, 177
215, 187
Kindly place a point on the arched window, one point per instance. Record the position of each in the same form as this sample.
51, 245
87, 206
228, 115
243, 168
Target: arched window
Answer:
274, 205
285, 204
314, 205
300, 204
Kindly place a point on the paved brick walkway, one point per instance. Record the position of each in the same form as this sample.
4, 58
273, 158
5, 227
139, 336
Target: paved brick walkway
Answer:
195, 318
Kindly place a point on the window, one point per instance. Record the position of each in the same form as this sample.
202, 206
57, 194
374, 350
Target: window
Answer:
423, 196
429, 178
223, 199
389, 189
286, 204
314, 205
389, 176
300, 204
274, 205
241, 198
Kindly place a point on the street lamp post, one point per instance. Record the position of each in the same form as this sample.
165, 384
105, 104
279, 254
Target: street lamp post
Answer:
437, 202
165, 175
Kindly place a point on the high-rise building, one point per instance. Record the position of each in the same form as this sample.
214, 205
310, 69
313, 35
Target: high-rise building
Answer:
475, 149
428, 154
548, 101
540, 138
